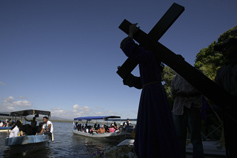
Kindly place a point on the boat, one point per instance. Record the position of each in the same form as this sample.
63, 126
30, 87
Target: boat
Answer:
5, 128
27, 143
129, 129
118, 134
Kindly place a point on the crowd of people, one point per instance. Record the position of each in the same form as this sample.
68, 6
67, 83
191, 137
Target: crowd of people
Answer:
6, 123
113, 127
19, 129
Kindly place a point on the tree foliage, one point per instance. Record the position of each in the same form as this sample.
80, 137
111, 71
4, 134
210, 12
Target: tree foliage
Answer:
208, 60
167, 76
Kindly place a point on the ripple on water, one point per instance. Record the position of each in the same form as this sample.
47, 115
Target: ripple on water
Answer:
66, 144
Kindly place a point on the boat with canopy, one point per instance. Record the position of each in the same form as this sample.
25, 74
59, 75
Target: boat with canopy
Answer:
85, 127
27, 143
4, 128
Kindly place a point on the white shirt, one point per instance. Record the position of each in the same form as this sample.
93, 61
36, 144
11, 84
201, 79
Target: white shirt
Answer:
46, 125
14, 132
1, 124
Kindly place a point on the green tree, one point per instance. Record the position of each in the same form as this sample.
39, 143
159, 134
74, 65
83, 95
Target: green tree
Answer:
208, 60
167, 76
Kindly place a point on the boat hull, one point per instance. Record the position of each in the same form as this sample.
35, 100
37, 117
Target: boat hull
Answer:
26, 144
4, 129
102, 135
24, 140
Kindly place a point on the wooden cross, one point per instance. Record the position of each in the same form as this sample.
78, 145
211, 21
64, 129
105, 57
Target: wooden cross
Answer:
154, 35
208, 88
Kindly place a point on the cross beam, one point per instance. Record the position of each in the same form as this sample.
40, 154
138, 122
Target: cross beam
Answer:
208, 88
154, 35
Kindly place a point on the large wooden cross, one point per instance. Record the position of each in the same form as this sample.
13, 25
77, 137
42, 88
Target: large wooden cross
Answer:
154, 35
208, 88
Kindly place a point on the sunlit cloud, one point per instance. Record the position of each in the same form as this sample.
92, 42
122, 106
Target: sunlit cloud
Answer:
2, 83
82, 110
60, 113
78, 111
11, 104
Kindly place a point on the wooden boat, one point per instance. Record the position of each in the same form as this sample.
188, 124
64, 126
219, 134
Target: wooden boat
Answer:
27, 143
4, 129
129, 129
119, 134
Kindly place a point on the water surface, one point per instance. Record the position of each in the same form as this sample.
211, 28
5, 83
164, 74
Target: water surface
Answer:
66, 144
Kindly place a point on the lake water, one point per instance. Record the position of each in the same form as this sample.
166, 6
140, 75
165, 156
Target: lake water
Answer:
66, 144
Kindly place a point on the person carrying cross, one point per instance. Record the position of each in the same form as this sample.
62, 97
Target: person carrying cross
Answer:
155, 133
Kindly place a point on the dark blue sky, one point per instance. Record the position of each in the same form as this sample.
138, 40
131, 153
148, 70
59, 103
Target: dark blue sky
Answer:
63, 55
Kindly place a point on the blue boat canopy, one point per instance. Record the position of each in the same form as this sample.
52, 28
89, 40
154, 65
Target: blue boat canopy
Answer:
89, 118
121, 120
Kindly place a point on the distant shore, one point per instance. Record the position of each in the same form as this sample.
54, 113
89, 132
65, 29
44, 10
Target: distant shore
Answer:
38, 120
67, 120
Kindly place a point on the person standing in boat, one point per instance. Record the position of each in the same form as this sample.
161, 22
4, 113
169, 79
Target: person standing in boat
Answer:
47, 128
128, 122
33, 124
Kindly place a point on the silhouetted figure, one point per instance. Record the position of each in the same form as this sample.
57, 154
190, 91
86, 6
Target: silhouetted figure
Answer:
79, 127
27, 129
76, 126
39, 128
227, 78
33, 124
155, 133
95, 126
127, 123
98, 126
106, 128
187, 115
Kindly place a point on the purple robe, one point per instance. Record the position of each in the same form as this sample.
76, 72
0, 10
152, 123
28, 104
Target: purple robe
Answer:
155, 132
